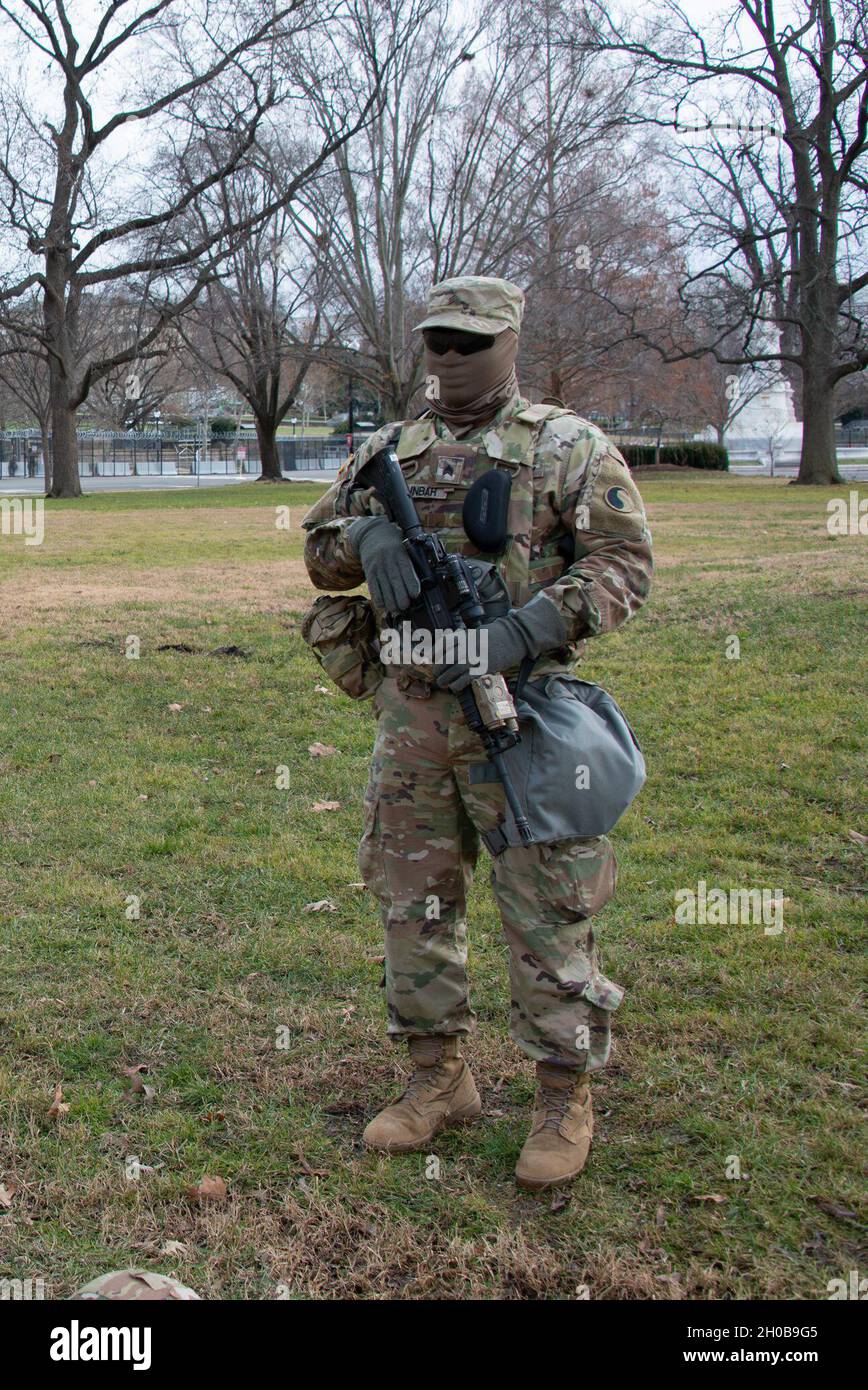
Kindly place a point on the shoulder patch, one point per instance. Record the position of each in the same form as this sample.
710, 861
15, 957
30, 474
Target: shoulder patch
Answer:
619, 499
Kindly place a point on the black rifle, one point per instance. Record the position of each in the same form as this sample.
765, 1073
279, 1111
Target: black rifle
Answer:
449, 601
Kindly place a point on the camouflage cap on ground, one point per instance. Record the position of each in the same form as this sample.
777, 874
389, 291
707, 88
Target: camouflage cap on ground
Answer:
132, 1285
475, 304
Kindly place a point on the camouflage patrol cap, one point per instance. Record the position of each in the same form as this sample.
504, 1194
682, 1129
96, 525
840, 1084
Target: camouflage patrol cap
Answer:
475, 304
134, 1284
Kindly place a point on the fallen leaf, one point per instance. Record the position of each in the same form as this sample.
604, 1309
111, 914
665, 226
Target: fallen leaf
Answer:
660, 1217
857, 837
174, 1247
326, 806
324, 905
135, 1074
146, 1093
174, 707
710, 1197
321, 750
833, 1209
305, 1166
7, 1192
209, 1190
559, 1201
358, 886
322, 690
58, 1106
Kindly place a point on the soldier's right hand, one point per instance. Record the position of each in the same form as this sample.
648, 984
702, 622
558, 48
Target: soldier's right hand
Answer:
389, 571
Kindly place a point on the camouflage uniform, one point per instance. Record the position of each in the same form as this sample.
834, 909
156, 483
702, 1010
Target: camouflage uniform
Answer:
431, 793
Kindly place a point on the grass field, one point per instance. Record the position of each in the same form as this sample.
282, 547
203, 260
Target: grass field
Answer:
149, 785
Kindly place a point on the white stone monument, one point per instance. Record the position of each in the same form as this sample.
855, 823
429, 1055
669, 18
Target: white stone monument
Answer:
764, 427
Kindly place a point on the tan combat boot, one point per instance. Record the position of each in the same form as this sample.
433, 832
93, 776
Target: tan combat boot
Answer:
557, 1147
441, 1092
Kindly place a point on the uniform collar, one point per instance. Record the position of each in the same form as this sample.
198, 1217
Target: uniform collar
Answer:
442, 430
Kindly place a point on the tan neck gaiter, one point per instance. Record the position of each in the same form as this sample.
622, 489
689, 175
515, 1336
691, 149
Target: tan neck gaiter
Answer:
467, 391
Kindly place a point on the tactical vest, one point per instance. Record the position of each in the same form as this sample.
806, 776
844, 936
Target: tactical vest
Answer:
439, 474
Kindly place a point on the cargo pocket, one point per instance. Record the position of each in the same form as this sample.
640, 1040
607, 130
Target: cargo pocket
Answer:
578, 876
370, 856
600, 998
602, 993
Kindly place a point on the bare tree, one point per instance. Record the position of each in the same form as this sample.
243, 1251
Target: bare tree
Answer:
24, 368
479, 162
366, 213
260, 320
206, 81
777, 218
567, 221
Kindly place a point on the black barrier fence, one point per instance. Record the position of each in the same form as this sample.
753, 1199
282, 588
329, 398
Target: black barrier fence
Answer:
147, 454
102, 454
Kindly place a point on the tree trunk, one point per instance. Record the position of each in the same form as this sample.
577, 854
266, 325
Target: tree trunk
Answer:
65, 481
46, 453
818, 463
268, 455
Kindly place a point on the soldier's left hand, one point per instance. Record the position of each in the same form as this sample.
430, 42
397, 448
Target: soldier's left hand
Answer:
528, 631
501, 645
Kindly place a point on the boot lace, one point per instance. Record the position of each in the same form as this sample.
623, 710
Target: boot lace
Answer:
556, 1102
421, 1080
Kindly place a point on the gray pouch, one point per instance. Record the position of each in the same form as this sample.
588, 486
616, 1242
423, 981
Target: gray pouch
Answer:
578, 765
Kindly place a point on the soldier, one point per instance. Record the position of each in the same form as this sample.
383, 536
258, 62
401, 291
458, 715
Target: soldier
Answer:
577, 564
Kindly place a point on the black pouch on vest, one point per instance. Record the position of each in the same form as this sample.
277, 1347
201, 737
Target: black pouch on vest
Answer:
486, 510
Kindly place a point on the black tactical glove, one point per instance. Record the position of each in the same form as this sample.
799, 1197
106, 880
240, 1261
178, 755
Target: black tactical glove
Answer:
389, 571
528, 631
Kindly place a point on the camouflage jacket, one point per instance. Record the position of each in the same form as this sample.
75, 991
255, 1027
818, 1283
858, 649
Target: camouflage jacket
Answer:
576, 521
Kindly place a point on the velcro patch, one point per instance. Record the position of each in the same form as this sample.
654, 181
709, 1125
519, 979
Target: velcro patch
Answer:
614, 504
449, 469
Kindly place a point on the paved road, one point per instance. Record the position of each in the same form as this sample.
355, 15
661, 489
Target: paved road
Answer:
850, 472
23, 487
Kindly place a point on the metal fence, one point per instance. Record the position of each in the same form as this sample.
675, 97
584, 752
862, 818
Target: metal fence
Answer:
104, 454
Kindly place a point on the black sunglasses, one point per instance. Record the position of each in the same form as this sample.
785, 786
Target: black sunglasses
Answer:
440, 340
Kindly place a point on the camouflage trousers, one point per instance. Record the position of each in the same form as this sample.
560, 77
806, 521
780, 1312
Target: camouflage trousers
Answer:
429, 796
